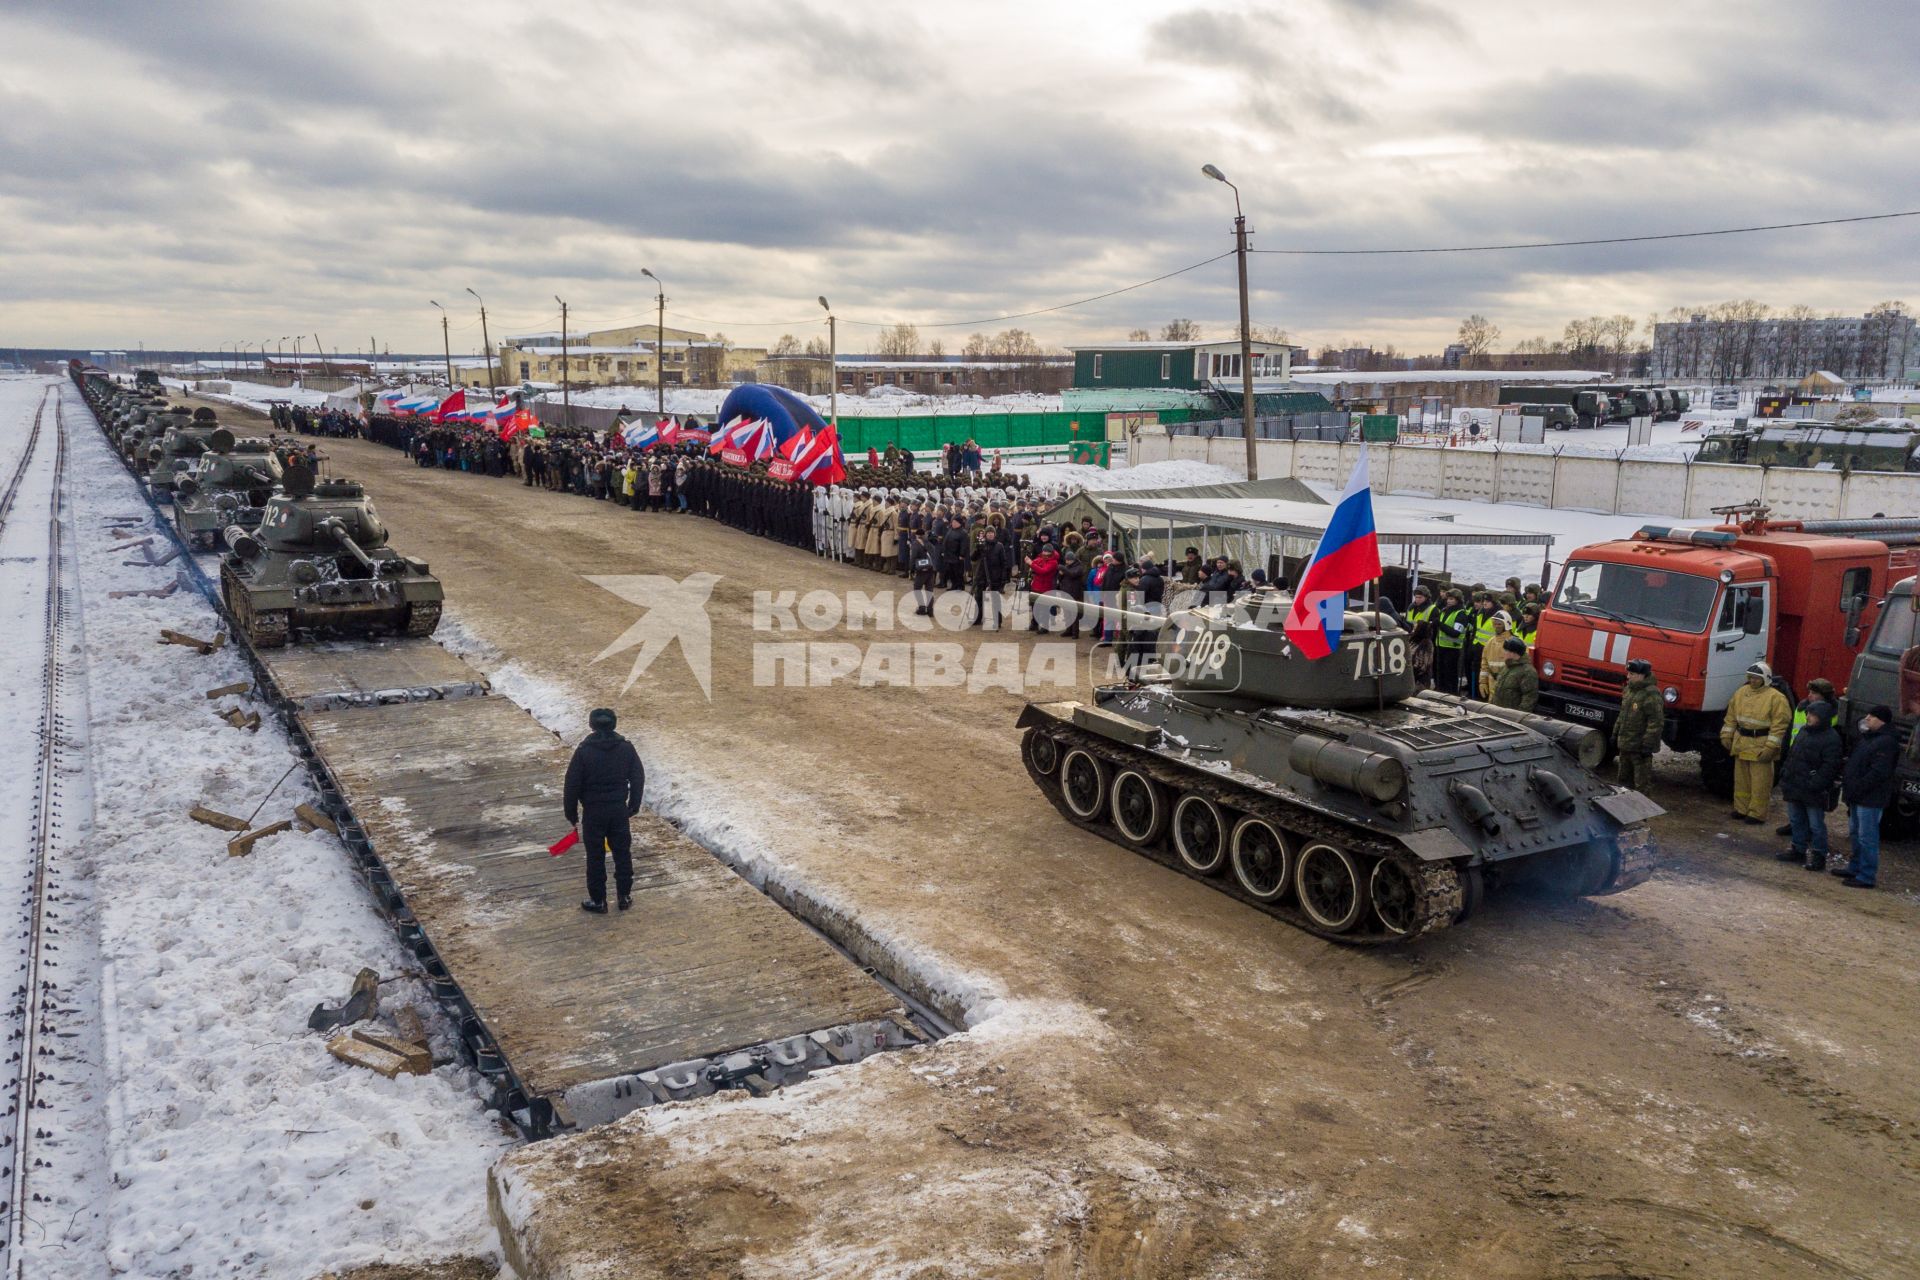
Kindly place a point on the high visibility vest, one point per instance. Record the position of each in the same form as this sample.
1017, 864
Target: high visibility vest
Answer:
1483, 629
1420, 615
1444, 637
1527, 636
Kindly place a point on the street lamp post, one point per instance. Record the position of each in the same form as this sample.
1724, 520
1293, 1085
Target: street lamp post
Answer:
659, 342
486, 343
566, 379
446, 342
833, 367
1246, 324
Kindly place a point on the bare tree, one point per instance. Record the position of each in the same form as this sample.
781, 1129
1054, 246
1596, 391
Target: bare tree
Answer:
1013, 344
936, 349
1477, 336
787, 346
1617, 333
1881, 339
900, 341
1180, 331
1139, 335
976, 346
1269, 333
818, 347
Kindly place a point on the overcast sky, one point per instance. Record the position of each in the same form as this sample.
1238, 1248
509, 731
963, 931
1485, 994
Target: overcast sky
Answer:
191, 174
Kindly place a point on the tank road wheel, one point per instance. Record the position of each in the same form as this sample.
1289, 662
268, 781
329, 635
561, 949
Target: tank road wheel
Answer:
1043, 751
422, 618
1331, 889
1396, 896
1083, 784
1139, 808
1200, 833
1261, 858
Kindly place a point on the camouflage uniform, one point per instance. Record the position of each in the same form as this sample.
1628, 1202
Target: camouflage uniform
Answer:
1636, 734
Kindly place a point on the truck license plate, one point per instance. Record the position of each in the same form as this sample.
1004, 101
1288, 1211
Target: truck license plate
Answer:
1910, 787
1585, 713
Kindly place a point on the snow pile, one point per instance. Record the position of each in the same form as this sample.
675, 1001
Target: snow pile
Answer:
238, 1145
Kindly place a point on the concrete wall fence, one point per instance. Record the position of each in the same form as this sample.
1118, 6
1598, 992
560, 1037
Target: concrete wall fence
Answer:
1668, 487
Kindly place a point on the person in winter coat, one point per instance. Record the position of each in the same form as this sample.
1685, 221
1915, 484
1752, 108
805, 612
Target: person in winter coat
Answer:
925, 567
1073, 585
604, 784
1807, 779
1517, 686
1866, 784
1754, 733
993, 568
1043, 575
1636, 734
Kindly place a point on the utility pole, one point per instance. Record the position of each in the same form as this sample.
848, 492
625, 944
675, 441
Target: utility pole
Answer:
299, 365
486, 343
833, 369
322, 353
446, 345
1246, 324
659, 342
566, 389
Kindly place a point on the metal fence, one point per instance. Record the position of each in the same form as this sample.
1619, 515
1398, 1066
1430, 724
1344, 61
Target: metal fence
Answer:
1334, 425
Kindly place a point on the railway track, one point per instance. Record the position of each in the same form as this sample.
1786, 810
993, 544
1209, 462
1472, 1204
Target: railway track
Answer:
26, 455
31, 1137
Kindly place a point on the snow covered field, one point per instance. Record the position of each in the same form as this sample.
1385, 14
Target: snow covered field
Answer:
254, 395
235, 1144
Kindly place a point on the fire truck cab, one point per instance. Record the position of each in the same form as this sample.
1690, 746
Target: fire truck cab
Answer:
1703, 605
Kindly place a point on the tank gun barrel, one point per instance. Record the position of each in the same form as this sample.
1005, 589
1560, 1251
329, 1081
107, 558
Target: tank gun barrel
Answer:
338, 530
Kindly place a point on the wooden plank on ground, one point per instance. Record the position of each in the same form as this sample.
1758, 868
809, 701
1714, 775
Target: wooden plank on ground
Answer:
214, 818
241, 846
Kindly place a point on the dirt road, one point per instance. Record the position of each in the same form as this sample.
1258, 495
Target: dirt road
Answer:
1710, 1075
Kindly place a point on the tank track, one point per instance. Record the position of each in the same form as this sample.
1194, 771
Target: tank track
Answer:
265, 630
422, 618
1438, 884
1635, 847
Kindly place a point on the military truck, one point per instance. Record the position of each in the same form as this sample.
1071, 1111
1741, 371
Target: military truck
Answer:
319, 562
1888, 671
1590, 405
1557, 417
147, 380
229, 484
1332, 793
1882, 446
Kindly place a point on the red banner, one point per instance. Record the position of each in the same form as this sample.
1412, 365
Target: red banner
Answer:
734, 457
780, 469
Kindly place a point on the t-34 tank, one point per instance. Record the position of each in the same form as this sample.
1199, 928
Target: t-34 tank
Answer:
135, 440
174, 453
1333, 793
319, 561
229, 484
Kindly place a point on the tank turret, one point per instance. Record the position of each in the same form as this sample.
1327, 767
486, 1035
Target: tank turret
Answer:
228, 485
177, 450
318, 560
1333, 793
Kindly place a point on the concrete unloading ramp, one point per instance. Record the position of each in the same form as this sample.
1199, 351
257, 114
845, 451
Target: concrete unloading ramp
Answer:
706, 984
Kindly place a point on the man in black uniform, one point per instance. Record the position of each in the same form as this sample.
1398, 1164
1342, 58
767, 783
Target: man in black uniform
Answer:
604, 785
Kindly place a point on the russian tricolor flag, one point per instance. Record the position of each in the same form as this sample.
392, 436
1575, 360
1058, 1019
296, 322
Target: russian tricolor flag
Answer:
1348, 556
640, 435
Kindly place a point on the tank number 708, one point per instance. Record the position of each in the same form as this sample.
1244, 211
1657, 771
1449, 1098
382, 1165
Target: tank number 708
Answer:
1379, 657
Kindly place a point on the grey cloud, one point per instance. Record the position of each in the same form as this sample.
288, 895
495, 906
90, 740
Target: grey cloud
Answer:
1286, 83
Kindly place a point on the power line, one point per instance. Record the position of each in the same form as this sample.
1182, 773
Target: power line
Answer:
1569, 244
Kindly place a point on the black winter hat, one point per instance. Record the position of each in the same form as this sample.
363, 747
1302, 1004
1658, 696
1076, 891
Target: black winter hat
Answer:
1515, 645
602, 718
1883, 713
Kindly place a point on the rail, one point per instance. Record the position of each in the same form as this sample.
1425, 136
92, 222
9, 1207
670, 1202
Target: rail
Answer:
39, 1007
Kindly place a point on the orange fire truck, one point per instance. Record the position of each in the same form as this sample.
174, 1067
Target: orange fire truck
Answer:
1703, 605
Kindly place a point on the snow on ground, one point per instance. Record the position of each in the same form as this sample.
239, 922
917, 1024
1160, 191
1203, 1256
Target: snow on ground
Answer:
253, 395
1332, 377
239, 1147
1494, 565
1668, 439
1073, 476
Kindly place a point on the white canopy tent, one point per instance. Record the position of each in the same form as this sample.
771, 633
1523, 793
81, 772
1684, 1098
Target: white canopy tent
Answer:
1250, 529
